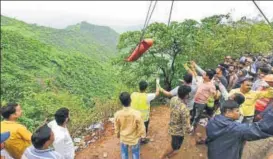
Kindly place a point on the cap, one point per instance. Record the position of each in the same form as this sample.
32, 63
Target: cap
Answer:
4, 136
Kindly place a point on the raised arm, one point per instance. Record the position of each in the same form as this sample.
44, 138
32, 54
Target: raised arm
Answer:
258, 130
198, 68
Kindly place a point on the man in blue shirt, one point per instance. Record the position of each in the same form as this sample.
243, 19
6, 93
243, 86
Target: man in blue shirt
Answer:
225, 137
41, 140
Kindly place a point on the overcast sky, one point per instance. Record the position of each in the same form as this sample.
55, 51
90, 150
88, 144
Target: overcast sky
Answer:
59, 14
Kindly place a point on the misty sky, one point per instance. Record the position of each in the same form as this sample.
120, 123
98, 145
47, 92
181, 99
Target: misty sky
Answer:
59, 14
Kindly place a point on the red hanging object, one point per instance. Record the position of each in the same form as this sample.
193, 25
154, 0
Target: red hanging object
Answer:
140, 50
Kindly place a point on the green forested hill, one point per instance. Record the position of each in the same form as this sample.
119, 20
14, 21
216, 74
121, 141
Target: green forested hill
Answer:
96, 41
44, 69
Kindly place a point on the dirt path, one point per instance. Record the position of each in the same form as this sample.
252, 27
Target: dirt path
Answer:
158, 132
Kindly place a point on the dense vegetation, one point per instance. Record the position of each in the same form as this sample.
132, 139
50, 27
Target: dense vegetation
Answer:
44, 69
206, 42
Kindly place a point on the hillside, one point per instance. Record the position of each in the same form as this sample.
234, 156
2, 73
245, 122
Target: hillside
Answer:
44, 69
96, 41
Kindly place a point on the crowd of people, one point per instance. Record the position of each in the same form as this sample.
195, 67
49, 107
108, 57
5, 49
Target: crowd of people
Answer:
49, 141
236, 97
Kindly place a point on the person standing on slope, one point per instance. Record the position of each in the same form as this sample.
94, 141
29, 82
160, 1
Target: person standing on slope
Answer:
141, 102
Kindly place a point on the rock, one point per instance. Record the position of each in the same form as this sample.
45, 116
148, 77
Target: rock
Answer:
93, 140
76, 148
87, 137
82, 144
95, 126
98, 126
93, 134
77, 140
201, 155
112, 120
152, 140
105, 154
89, 142
203, 122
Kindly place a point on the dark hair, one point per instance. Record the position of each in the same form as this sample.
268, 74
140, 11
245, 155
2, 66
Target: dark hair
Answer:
183, 91
41, 136
61, 115
239, 98
222, 69
229, 105
187, 78
125, 99
210, 74
248, 79
224, 65
265, 70
143, 85
6, 111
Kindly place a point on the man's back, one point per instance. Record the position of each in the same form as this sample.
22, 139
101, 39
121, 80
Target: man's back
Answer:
141, 102
225, 137
62, 141
33, 153
129, 125
179, 117
20, 138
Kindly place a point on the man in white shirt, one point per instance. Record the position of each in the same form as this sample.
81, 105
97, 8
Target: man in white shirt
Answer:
63, 142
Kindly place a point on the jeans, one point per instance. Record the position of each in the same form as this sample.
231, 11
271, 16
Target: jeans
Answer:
146, 123
248, 119
197, 112
135, 151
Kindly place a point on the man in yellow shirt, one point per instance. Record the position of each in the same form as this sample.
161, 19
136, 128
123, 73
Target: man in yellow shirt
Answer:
129, 127
20, 137
248, 107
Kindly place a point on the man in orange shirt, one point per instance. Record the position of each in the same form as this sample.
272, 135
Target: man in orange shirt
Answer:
20, 137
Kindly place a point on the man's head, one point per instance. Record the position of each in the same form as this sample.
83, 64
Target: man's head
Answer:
231, 68
238, 98
62, 116
230, 109
220, 70
242, 73
246, 85
183, 91
12, 111
125, 99
227, 59
263, 71
248, 61
241, 65
4, 137
42, 138
187, 78
143, 86
208, 75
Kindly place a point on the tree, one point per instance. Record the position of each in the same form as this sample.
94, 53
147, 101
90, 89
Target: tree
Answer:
206, 42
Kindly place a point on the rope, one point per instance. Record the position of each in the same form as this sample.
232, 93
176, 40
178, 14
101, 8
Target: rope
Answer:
170, 15
147, 16
263, 14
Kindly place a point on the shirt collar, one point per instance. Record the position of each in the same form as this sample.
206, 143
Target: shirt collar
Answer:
10, 122
127, 108
43, 151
